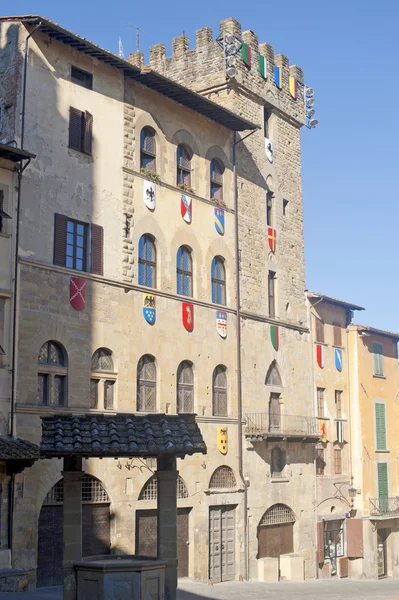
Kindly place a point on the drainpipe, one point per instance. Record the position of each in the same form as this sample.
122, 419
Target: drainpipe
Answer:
239, 379
21, 169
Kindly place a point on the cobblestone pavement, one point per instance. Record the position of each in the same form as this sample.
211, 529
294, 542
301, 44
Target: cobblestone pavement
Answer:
386, 589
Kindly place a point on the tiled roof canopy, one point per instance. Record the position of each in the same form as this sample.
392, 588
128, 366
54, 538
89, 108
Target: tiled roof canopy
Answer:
120, 435
17, 449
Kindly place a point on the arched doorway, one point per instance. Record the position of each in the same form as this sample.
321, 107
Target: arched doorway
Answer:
147, 519
276, 531
95, 528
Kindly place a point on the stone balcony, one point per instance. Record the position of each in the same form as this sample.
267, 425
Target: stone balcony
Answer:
381, 508
272, 427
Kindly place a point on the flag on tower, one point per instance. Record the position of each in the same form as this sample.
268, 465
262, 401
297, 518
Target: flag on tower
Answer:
121, 53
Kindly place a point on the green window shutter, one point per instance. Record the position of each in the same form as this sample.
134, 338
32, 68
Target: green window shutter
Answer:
380, 427
382, 480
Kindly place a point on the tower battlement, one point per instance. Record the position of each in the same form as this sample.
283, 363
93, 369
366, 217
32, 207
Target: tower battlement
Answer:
258, 70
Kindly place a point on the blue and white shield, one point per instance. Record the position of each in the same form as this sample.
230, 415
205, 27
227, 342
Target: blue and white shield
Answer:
221, 323
219, 220
149, 310
338, 358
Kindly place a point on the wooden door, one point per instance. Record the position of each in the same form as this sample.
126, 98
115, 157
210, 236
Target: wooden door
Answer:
274, 412
221, 543
274, 540
382, 552
147, 536
50, 550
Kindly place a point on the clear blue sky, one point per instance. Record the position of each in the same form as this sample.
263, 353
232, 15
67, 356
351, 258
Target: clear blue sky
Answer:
349, 51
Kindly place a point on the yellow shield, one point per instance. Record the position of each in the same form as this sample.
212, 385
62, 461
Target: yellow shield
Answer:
222, 440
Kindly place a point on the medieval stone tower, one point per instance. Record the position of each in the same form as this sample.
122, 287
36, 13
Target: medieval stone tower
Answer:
276, 374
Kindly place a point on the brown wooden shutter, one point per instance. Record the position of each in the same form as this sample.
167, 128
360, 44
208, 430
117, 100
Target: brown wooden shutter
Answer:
354, 538
75, 128
97, 249
320, 542
87, 133
60, 239
337, 335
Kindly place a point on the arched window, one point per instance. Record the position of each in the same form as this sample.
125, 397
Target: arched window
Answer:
277, 515
185, 387
52, 376
218, 281
149, 490
273, 375
277, 462
184, 155
147, 149
103, 378
223, 477
93, 492
146, 384
147, 261
219, 392
217, 170
184, 271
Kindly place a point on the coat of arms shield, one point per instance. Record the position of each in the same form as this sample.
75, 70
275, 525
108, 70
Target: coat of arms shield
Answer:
149, 309
149, 191
188, 315
77, 293
219, 220
186, 208
221, 323
338, 358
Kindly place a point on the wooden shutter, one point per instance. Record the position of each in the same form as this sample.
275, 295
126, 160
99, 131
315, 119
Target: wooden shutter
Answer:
380, 426
382, 480
319, 330
320, 542
97, 249
378, 364
354, 538
75, 128
60, 237
88, 133
337, 335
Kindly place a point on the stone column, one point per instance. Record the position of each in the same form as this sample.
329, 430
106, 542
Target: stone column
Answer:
167, 521
72, 524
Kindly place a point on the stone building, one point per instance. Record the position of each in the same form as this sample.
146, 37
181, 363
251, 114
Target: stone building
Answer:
143, 204
374, 389
332, 372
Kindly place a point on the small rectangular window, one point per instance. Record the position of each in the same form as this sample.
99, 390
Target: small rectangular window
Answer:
337, 461
269, 209
272, 293
320, 462
80, 130
337, 335
378, 360
380, 426
109, 394
42, 389
94, 393
320, 402
319, 330
338, 404
267, 113
82, 78
285, 208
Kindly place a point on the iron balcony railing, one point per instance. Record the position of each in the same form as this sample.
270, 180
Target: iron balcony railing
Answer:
270, 424
380, 507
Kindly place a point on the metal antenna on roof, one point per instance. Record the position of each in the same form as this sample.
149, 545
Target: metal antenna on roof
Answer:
138, 29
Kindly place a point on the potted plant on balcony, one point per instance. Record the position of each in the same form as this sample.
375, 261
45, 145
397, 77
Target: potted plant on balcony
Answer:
150, 174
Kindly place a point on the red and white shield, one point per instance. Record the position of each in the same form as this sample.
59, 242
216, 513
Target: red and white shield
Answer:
77, 292
187, 313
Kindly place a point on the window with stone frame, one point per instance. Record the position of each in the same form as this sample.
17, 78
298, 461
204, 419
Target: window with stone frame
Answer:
278, 462
147, 261
273, 376
219, 392
337, 461
184, 155
52, 375
185, 387
147, 149
4, 216
320, 461
218, 276
271, 293
103, 380
269, 209
320, 403
184, 271
337, 332
217, 170
338, 404
146, 384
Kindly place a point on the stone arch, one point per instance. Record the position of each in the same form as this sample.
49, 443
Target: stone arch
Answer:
219, 153
223, 477
149, 491
273, 376
276, 531
95, 528
184, 137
